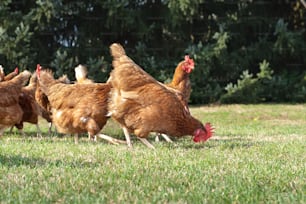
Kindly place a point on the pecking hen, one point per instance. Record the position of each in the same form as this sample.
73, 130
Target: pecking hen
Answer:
10, 110
76, 108
29, 106
141, 105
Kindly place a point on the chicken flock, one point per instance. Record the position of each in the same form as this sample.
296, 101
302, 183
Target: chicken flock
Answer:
140, 104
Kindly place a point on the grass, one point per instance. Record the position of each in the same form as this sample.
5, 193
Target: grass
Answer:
256, 156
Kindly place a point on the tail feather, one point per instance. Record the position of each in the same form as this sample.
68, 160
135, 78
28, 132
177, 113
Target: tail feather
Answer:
117, 50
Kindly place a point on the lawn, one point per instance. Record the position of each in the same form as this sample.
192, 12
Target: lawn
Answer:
258, 155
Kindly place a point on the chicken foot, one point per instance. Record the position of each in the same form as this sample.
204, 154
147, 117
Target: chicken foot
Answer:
20, 131
38, 134
76, 138
1, 131
166, 137
50, 128
128, 139
111, 139
127, 136
146, 142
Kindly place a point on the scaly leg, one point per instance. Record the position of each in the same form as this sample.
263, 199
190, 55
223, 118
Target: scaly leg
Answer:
50, 125
1, 131
146, 142
76, 138
49, 128
110, 139
157, 137
38, 131
166, 138
127, 136
94, 138
21, 132
11, 130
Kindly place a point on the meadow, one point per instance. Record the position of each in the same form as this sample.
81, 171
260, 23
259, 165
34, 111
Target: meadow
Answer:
257, 155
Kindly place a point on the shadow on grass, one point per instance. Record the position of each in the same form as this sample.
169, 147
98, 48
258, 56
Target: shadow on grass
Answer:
18, 160
223, 143
30, 134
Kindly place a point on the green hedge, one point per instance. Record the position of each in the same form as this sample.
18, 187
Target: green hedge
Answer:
227, 39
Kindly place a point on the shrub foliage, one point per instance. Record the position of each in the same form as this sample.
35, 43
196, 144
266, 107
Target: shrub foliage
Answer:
245, 51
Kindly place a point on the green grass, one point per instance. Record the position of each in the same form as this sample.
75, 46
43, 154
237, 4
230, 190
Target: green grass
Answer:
257, 155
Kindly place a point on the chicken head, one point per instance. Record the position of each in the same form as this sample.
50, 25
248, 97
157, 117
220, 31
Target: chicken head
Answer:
201, 135
188, 65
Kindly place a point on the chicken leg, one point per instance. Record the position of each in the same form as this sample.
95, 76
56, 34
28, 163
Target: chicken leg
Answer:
76, 138
127, 136
128, 139
1, 131
164, 136
38, 134
111, 139
146, 142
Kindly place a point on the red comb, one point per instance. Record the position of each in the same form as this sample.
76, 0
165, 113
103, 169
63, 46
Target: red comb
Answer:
204, 137
16, 70
189, 61
38, 68
210, 130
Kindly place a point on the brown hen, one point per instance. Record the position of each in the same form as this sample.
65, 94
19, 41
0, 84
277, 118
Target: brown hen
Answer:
10, 110
76, 108
141, 105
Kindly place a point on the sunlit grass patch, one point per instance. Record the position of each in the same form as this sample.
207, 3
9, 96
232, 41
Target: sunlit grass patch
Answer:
251, 159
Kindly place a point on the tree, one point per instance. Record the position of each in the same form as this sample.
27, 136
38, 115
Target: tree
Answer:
224, 37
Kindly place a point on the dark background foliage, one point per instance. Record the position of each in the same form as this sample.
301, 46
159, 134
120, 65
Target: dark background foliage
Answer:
245, 51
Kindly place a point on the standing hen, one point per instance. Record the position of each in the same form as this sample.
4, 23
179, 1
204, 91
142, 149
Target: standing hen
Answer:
180, 80
43, 101
10, 110
76, 108
143, 105
30, 108
181, 85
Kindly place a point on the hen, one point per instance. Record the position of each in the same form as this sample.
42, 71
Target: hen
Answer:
28, 104
181, 81
76, 108
43, 102
10, 110
181, 84
143, 105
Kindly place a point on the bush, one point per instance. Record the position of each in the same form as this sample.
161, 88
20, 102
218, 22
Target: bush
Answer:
249, 89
